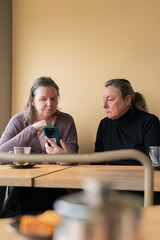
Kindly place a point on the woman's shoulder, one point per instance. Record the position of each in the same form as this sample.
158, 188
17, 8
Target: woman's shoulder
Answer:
146, 115
105, 121
18, 116
18, 119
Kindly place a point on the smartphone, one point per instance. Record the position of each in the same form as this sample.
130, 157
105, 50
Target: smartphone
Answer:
52, 133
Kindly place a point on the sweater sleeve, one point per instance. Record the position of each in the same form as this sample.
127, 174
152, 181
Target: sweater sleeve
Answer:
71, 139
67, 131
16, 134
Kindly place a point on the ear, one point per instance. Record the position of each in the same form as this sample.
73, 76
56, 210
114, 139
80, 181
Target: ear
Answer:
128, 100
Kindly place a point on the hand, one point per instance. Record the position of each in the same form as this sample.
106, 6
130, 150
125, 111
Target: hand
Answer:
55, 149
39, 125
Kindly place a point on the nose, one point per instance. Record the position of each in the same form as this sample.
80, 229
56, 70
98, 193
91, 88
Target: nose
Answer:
49, 102
105, 104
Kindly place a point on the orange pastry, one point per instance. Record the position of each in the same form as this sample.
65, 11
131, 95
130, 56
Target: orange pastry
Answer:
41, 225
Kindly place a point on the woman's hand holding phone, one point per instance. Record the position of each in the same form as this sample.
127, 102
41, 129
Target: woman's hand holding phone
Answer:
55, 149
55, 145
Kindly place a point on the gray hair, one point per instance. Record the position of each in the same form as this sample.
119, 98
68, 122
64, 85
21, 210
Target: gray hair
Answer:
140, 102
123, 85
29, 113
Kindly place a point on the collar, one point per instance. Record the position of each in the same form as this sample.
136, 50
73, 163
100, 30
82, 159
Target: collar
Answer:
127, 117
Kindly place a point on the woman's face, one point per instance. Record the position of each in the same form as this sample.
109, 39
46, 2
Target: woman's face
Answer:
45, 102
115, 106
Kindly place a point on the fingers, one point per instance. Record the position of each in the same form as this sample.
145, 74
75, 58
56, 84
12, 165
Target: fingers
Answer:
39, 125
55, 149
64, 146
53, 144
43, 123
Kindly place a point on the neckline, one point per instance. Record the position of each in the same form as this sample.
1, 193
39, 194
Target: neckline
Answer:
127, 117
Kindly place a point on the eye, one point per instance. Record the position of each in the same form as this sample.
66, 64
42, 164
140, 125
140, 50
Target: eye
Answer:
42, 99
108, 99
54, 98
111, 99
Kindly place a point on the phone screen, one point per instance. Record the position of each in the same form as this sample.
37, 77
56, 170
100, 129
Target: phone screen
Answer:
52, 133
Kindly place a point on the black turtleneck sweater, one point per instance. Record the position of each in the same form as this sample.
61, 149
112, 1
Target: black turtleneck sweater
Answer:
136, 129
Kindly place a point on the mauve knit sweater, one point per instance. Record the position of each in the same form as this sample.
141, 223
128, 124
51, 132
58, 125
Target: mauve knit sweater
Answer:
18, 132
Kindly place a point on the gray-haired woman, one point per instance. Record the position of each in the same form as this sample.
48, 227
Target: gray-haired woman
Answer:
126, 126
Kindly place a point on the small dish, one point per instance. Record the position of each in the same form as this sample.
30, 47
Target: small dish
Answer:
13, 227
29, 165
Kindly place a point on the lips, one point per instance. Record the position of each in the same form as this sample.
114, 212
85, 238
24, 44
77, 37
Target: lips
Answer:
107, 112
48, 110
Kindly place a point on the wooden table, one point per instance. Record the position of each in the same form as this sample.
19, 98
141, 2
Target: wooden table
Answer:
17, 177
149, 226
122, 177
54, 176
10, 176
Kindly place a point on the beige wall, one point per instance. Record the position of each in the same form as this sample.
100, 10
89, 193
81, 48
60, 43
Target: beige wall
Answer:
5, 61
81, 44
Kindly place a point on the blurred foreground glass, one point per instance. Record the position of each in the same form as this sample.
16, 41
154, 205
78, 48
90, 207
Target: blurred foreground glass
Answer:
97, 213
154, 153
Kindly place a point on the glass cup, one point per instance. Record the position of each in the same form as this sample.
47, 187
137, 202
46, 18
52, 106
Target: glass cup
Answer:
21, 150
154, 153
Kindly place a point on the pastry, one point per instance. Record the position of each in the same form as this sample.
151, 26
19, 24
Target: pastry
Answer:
42, 225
